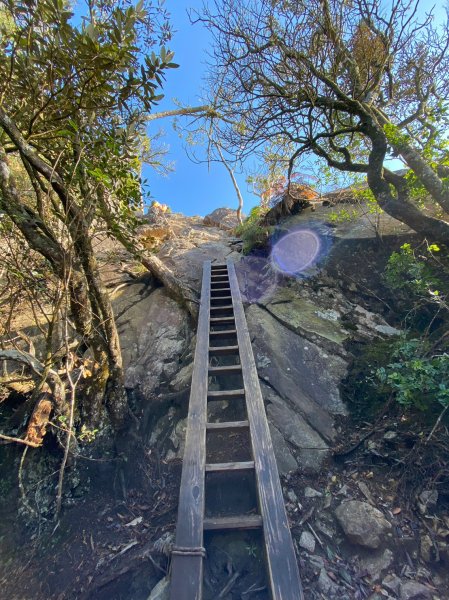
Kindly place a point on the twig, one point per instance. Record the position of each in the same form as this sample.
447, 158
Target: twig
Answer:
315, 535
155, 565
229, 585
21, 487
438, 421
10, 439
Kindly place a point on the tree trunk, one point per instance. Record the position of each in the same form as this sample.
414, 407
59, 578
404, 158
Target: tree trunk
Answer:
402, 208
90, 305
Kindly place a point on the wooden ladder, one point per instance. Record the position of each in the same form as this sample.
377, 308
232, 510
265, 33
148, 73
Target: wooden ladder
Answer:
222, 318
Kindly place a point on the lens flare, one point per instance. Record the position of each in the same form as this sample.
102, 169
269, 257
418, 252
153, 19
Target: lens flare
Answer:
296, 251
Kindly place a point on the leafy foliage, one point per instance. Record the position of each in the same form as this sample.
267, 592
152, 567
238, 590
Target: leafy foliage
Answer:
253, 234
414, 377
417, 371
413, 272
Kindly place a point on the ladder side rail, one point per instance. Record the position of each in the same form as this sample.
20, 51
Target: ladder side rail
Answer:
188, 554
281, 559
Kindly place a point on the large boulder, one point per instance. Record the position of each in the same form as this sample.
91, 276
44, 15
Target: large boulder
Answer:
311, 447
362, 523
300, 372
223, 218
154, 336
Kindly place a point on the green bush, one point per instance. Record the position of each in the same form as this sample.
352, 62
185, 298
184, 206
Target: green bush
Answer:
413, 272
415, 377
252, 232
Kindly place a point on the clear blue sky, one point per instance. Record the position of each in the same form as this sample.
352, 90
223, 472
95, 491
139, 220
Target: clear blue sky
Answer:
192, 189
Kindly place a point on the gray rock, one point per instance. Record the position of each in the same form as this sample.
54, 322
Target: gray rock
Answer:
313, 450
190, 245
316, 561
325, 583
412, 590
311, 493
375, 565
285, 460
427, 500
161, 591
304, 376
183, 378
362, 523
370, 325
390, 435
292, 496
392, 583
223, 218
427, 549
307, 541
154, 334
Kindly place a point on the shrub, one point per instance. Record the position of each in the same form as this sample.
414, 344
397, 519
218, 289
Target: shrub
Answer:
415, 376
253, 234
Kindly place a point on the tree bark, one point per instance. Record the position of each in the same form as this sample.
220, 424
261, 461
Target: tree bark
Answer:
400, 206
90, 305
235, 184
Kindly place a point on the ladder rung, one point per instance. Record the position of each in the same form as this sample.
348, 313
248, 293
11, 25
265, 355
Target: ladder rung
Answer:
219, 266
218, 270
225, 289
220, 350
221, 297
219, 280
222, 320
222, 307
225, 370
238, 522
227, 425
225, 394
224, 333
229, 466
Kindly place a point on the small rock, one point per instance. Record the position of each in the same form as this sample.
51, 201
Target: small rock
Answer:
427, 549
392, 583
387, 330
427, 499
343, 491
365, 491
390, 435
325, 583
134, 522
412, 590
362, 523
376, 565
307, 541
316, 561
311, 493
292, 496
161, 591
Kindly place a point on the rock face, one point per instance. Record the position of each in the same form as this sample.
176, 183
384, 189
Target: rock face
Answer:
223, 218
362, 523
154, 335
191, 245
298, 371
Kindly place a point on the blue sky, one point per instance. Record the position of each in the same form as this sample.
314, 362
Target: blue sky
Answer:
192, 189
196, 189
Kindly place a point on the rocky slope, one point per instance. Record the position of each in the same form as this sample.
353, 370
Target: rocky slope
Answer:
305, 330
